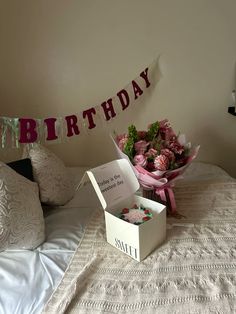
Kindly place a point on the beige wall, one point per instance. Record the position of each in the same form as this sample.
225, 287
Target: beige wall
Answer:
59, 57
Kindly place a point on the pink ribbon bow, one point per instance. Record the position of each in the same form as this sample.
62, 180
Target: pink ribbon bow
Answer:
161, 186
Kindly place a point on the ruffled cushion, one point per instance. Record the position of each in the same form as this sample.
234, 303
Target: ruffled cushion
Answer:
21, 214
55, 185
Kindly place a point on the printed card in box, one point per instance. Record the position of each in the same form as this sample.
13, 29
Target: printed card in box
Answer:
116, 184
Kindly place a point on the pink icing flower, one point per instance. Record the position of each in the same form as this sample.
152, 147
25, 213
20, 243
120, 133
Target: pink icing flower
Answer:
161, 163
151, 153
168, 153
140, 147
140, 160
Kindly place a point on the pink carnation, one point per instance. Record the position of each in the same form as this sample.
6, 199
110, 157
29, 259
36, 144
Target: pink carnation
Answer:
164, 123
168, 153
151, 153
120, 137
140, 147
176, 147
122, 141
166, 130
140, 160
161, 163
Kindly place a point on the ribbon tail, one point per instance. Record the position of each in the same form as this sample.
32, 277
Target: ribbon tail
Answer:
162, 194
167, 191
172, 199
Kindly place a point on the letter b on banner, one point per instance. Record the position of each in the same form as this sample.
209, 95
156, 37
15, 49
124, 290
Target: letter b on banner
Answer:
28, 133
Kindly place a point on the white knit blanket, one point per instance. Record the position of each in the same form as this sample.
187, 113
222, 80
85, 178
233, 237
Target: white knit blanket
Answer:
194, 271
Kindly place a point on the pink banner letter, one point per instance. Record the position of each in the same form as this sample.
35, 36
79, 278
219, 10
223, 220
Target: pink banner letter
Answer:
89, 114
72, 125
108, 109
28, 132
144, 76
137, 90
124, 98
50, 123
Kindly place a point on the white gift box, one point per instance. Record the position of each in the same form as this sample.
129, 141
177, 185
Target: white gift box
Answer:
116, 184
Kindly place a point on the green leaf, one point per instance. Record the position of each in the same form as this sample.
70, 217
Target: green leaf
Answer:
132, 138
153, 131
129, 148
132, 133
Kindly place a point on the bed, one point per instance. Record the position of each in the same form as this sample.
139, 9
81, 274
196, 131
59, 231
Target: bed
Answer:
28, 277
76, 271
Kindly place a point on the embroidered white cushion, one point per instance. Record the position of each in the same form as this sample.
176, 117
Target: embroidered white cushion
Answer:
21, 215
55, 185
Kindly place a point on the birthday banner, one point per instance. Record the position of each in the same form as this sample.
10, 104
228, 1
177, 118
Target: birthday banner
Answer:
21, 130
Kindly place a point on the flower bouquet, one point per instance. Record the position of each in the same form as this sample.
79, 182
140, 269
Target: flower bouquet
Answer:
159, 157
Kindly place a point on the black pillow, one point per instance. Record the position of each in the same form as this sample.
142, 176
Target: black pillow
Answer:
23, 167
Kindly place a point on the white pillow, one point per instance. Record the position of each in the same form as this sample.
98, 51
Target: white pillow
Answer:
21, 215
55, 185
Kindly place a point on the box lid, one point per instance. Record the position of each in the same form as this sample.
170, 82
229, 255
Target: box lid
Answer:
113, 181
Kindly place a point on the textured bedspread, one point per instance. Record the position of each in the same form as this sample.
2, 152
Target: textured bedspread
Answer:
194, 271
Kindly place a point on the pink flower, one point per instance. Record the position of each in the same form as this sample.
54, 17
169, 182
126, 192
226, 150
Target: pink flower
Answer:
164, 123
151, 153
166, 130
161, 163
140, 160
140, 147
168, 153
122, 140
176, 147
120, 137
